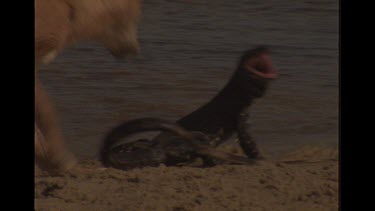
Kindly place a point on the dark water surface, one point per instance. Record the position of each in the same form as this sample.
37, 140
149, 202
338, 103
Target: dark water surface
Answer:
189, 49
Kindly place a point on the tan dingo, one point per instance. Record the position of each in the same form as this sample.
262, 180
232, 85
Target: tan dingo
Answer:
59, 24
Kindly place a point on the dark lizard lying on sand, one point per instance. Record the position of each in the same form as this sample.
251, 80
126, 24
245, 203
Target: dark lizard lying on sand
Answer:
198, 134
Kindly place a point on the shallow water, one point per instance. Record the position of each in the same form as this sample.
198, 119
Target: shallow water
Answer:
189, 49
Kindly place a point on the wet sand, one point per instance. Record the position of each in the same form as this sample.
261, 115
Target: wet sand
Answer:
267, 185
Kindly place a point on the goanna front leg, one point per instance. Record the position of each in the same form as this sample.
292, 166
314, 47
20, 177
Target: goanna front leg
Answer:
246, 142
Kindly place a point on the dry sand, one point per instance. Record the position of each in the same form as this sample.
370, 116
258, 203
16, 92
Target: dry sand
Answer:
267, 185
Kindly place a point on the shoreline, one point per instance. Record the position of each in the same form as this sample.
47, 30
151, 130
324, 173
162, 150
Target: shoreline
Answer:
267, 185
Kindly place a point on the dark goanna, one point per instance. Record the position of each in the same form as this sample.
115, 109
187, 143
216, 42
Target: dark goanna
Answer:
198, 134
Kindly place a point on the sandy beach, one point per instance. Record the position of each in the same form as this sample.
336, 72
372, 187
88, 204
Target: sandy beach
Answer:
267, 185
188, 53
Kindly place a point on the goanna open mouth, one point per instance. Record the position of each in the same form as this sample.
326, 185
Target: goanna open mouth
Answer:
262, 68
